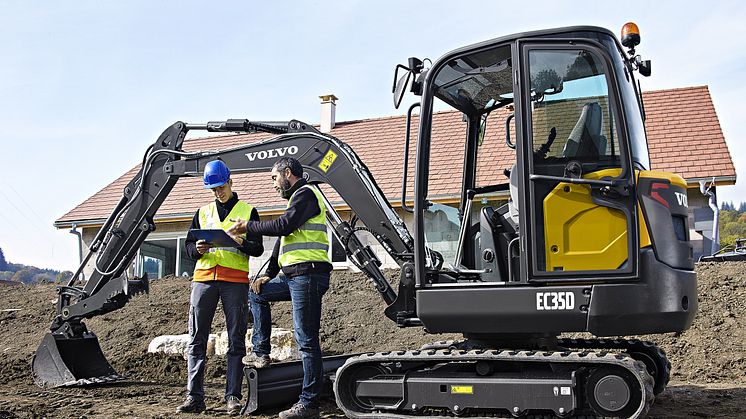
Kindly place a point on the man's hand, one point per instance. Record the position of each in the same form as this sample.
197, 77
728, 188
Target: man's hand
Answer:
238, 228
203, 247
256, 285
238, 239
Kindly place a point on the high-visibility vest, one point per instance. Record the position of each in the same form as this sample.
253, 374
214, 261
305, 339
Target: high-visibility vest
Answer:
229, 257
310, 242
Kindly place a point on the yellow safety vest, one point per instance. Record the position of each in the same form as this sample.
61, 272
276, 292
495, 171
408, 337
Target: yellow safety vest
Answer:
229, 257
310, 242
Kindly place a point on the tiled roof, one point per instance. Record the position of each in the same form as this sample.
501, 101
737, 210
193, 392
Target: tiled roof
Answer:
681, 125
684, 134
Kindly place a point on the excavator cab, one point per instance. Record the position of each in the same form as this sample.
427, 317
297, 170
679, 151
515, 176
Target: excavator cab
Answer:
554, 206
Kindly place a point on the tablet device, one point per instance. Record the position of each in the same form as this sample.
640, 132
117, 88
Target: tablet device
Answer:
217, 238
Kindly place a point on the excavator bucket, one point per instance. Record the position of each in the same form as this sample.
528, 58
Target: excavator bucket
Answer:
63, 361
71, 355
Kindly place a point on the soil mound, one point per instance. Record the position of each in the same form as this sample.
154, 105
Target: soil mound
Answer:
712, 351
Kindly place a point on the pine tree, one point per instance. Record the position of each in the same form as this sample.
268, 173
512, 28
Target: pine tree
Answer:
3, 263
742, 207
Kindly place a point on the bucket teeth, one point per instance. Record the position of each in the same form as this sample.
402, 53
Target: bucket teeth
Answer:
91, 381
131, 287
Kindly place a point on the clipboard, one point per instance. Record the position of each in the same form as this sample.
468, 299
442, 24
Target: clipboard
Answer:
217, 238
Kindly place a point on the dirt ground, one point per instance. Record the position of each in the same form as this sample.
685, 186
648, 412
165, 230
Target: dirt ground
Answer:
708, 378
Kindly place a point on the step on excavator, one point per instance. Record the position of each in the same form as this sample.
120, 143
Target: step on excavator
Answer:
577, 235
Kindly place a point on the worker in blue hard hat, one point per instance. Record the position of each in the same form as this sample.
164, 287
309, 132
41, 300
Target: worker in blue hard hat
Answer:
220, 274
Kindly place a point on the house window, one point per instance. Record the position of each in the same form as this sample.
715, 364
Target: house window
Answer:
186, 264
162, 256
158, 258
152, 266
442, 226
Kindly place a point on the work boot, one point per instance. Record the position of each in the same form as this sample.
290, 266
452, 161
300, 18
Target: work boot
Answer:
191, 405
256, 361
233, 405
298, 411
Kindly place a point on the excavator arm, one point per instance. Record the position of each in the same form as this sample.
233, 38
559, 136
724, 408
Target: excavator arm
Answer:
325, 159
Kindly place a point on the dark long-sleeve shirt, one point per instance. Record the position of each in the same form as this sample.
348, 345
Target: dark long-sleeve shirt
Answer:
252, 244
303, 207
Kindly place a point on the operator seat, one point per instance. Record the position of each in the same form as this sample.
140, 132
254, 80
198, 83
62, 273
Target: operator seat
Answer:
585, 139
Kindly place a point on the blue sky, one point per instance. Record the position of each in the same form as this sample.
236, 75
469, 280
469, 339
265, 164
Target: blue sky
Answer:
86, 86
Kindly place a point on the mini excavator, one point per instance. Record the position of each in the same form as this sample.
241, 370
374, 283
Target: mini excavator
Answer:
591, 239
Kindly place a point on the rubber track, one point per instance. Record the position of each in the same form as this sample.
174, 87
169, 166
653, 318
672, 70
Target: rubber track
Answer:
617, 344
590, 358
627, 345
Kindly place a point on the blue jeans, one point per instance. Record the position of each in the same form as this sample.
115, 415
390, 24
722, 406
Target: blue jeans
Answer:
305, 293
203, 303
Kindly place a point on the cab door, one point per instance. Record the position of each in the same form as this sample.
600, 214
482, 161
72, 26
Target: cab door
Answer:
578, 209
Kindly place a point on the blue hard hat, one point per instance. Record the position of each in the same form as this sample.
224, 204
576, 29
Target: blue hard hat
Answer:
216, 174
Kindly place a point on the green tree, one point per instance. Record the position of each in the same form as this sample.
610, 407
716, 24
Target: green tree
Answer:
15, 267
63, 276
732, 226
3, 262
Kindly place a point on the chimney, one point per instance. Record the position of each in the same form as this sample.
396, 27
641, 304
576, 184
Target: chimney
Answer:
328, 111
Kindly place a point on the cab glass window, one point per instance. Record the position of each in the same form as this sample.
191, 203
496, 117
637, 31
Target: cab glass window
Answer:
571, 116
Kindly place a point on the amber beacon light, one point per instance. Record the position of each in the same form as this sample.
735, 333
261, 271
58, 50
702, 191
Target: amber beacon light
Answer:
630, 35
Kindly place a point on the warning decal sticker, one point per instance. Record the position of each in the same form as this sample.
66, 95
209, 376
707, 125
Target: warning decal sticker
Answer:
327, 161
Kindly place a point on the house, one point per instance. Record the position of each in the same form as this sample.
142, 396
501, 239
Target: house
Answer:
682, 125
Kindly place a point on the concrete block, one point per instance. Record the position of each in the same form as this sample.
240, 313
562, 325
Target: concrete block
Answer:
283, 344
170, 345
281, 340
179, 345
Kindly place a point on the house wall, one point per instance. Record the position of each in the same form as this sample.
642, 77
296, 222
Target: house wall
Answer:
700, 223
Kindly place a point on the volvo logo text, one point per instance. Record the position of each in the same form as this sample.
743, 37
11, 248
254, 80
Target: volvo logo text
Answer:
273, 153
681, 198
